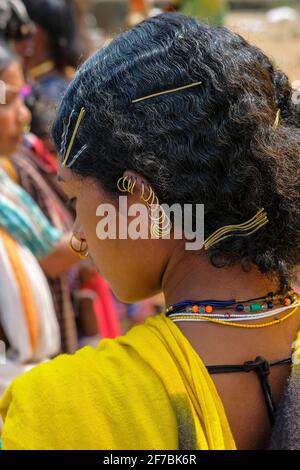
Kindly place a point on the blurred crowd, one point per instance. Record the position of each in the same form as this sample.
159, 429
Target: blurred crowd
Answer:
51, 301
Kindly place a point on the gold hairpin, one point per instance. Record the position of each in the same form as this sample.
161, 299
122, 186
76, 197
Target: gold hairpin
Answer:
277, 119
79, 119
251, 226
167, 91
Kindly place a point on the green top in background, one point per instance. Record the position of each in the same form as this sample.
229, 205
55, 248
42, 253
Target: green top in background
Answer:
212, 11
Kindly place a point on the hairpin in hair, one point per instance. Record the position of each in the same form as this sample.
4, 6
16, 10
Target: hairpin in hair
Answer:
251, 226
78, 122
277, 119
65, 133
167, 91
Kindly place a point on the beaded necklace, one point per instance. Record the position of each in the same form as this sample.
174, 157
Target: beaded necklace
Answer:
239, 310
245, 310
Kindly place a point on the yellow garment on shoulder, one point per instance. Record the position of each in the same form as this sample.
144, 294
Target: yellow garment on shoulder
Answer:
145, 390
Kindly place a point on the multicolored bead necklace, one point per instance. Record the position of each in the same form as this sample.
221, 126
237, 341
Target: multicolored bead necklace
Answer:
240, 310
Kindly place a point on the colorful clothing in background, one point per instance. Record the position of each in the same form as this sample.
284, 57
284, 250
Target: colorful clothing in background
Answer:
22, 218
27, 314
36, 171
212, 11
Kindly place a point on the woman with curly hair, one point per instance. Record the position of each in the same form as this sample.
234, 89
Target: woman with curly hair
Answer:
176, 111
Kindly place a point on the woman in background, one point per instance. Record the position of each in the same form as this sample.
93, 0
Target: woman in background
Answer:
57, 47
14, 118
29, 326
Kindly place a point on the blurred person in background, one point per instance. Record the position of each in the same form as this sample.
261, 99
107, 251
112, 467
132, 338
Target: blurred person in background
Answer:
28, 322
57, 46
14, 21
14, 118
33, 165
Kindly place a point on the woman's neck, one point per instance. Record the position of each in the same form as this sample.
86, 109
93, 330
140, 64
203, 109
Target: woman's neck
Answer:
193, 277
190, 276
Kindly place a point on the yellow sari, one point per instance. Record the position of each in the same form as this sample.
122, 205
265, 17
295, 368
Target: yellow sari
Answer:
147, 390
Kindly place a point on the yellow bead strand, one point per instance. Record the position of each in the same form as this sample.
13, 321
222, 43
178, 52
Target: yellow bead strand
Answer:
261, 325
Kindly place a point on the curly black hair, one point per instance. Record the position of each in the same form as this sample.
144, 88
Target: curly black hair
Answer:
212, 144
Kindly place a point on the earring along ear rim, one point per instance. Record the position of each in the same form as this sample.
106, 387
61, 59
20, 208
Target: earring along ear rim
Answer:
161, 230
155, 208
153, 199
158, 232
122, 180
162, 226
150, 195
132, 184
128, 183
162, 217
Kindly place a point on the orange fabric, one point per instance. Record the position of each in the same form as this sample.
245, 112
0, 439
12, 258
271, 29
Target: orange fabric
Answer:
25, 289
9, 168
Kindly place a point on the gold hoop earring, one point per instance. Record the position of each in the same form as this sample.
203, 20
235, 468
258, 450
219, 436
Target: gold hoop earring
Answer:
156, 222
150, 195
161, 225
126, 184
162, 215
122, 180
160, 232
82, 253
155, 209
